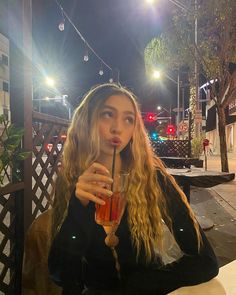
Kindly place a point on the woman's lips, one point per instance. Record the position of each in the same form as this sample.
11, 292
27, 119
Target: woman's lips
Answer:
115, 141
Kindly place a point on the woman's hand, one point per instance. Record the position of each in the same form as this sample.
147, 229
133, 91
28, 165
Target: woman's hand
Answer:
93, 182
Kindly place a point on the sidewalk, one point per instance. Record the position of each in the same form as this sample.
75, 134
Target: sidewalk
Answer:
219, 205
225, 193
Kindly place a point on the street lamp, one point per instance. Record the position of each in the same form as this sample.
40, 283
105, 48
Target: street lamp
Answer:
157, 75
50, 81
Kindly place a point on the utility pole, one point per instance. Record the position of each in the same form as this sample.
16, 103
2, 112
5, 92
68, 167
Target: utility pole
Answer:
198, 115
178, 104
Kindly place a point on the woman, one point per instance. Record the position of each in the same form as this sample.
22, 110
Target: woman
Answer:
161, 246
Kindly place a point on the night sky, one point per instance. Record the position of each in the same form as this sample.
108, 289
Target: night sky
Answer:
117, 30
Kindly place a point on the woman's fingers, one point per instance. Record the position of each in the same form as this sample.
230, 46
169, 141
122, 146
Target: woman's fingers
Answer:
93, 182
86, 196
89, 177
97, 168
94, 189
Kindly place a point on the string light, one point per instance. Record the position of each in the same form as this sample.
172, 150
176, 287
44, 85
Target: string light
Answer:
86, 56
101, 71
61, 27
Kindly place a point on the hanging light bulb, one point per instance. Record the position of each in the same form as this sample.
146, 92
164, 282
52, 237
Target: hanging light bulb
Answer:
86, 56
111, 80
61, 26
101, 71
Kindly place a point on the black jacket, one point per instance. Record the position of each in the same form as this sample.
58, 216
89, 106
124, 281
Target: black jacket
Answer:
79, 256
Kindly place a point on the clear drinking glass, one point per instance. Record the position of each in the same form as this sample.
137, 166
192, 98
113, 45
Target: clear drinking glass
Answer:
110, 214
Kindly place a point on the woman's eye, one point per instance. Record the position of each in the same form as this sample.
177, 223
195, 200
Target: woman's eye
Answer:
130, 120
106, 114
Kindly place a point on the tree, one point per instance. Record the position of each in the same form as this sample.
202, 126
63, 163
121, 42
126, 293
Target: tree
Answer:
215, 52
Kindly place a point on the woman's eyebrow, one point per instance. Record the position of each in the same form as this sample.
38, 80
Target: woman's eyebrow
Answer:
114, 109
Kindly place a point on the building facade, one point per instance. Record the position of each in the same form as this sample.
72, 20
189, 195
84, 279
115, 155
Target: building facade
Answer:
4, 77
212, 128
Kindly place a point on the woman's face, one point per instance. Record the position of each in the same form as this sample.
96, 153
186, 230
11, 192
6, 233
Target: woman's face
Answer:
116, 123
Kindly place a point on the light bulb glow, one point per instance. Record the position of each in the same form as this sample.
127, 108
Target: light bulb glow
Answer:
101, 72
50, 81
61, 26
156, 74
111, 80
86, 57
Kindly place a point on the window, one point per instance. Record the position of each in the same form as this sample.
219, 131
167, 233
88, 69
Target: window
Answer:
4, 60
5, 86
6, 113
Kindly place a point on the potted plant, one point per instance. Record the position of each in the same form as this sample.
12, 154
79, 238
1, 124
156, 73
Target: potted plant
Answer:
11, 152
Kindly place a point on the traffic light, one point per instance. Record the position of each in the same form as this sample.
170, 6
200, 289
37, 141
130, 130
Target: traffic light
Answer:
154, 135
150, 117
170, 130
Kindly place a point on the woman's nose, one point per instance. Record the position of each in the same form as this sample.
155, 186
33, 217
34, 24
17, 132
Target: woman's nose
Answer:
116, 126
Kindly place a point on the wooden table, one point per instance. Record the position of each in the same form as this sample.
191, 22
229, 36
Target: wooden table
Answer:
223, 284
181, 162
200, 178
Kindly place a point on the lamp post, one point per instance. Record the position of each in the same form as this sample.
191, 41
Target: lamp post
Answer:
157, 75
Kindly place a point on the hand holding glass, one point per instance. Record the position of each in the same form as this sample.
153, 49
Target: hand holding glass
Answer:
110, 214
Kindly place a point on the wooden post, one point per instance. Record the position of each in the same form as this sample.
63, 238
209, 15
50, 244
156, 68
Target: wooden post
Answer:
189, 133
205, 154
20, 35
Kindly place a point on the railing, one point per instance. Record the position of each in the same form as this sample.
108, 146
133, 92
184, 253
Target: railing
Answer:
172, 148
11, 241
48, 139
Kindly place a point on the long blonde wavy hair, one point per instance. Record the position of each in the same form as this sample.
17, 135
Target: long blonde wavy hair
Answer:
145, 198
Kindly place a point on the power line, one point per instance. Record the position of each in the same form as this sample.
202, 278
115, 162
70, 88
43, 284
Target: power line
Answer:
64, 14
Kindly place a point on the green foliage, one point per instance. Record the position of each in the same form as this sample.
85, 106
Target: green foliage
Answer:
11, 153
165, 53
197, 146
216, 39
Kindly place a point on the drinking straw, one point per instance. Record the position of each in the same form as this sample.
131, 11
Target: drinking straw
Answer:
113, 167
112, 175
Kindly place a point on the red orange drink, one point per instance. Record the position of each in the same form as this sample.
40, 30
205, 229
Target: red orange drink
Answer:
110, 213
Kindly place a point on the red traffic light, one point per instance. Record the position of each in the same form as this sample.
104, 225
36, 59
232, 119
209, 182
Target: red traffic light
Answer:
170, 130
150, 117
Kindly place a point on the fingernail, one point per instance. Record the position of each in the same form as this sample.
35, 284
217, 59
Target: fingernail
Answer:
109, 193
102, 202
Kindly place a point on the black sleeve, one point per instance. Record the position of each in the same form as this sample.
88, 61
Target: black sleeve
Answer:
65, 261
194, 267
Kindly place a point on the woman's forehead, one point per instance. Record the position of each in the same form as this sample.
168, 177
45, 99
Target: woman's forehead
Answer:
120, 102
